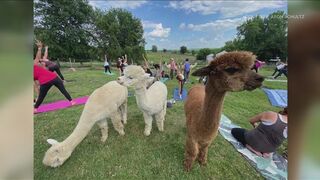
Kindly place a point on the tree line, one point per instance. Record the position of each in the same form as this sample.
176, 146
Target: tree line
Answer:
265, 37
73, 29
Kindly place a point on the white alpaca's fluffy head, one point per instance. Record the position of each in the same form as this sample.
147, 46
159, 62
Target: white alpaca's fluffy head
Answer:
135, 76
56, 154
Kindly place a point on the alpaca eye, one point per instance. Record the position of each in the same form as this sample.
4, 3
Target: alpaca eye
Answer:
130, 77
231, 70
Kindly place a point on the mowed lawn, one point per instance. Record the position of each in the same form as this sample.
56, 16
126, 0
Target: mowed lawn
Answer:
134, 156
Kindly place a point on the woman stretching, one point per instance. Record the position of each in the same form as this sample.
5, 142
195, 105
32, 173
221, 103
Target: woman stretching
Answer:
270, 130
51, 66
46, 79
106, 65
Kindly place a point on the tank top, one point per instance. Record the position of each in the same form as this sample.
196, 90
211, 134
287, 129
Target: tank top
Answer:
50, 64
267, 138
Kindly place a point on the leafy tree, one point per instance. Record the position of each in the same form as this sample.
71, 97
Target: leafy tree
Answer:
266, 37
154, 48
202, 54
193, 52
118, 32
64, 25
164, 50
183, 49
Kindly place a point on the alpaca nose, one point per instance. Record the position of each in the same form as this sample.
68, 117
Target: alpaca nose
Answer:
260, 78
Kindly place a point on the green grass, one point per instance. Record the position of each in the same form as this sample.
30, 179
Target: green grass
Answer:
135, 156
155, 57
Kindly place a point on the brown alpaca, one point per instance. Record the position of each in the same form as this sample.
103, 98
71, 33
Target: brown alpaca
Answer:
228, 72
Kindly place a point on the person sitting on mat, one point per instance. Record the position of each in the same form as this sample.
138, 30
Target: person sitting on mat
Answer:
270, 130
46, 79
106, 65
50, 65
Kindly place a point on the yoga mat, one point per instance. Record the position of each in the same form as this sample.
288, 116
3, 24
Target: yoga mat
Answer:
176, 94
277, 97
274, 167
110, 74
164, 79
276, 80
62, 104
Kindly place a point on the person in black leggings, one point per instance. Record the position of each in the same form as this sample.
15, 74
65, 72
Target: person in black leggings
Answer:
51, 66
46, 87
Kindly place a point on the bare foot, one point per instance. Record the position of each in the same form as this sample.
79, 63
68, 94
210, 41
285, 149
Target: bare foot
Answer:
35, 110
254, 151
73, 102
266, 155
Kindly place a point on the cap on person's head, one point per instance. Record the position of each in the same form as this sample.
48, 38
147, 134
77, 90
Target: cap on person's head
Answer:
187, 59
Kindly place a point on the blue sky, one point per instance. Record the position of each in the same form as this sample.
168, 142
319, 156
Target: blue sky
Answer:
195, 24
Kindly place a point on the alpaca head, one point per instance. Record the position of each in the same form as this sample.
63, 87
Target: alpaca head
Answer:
232, 72
56, 154
135, 76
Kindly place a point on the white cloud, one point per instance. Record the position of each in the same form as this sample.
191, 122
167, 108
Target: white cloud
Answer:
158, 31
117, 4
226, 8
182, 25
220, 25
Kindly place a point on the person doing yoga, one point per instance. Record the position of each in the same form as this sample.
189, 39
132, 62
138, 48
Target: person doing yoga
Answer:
46, 79
270, 130
50, 65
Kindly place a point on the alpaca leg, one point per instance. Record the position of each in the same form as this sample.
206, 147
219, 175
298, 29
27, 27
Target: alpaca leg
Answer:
148, 124
203, 154
124, 108
117, 124
160, 120
190, 154
161, 117
103, 125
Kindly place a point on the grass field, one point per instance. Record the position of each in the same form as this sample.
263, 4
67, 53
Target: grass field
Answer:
135, 156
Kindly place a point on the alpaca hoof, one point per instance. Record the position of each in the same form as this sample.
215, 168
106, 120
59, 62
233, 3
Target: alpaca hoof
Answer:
122, 133
146, 133
104, 138
187, 167
161, 129
203, 163
124, 122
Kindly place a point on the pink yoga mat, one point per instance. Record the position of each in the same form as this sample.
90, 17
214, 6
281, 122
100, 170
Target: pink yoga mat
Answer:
61, 104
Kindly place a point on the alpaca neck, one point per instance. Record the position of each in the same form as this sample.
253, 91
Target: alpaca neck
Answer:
141, 97
212, 107
79, 133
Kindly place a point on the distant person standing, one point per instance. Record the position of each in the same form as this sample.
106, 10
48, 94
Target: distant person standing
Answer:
120, 66
173, 68
106, 65
186, 70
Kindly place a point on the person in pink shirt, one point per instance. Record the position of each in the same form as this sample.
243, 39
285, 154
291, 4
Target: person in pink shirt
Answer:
46, 79
173, 68
257, 65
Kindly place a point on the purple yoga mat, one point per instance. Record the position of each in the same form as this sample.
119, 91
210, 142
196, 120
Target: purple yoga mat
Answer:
61, 104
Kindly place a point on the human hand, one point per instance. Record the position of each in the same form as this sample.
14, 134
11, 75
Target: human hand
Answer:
39, 44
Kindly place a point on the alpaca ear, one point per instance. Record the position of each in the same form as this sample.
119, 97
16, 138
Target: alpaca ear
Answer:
52, 141
205, 71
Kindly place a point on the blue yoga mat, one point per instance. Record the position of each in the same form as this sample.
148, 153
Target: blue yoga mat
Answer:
176, 94
273, 168
164, 79
277, 97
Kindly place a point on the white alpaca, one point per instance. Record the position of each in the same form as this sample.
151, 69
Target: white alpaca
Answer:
108, 101
151, 101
